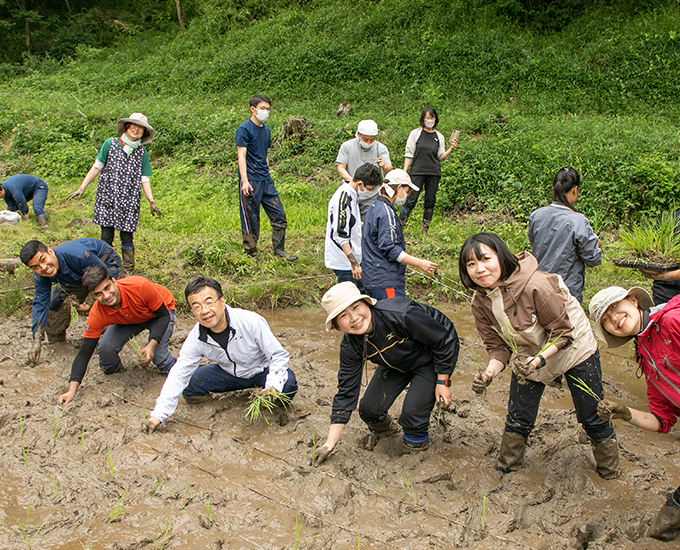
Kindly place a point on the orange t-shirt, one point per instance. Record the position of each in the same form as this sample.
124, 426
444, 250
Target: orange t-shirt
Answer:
139, 298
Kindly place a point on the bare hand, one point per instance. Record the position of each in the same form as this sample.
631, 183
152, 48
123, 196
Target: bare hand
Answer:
428, 267
246, 188
83, 308
34, 353
380, 162
442, 393
66, 397
608, 410
480, 382
155, 211
151, 425
321, 455
147, 352
76, 194
356, 272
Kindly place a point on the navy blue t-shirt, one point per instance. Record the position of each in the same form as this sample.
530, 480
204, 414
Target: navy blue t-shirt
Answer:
257, 140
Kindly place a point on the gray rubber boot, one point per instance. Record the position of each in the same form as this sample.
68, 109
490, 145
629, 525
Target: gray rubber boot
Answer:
403, 216
128, 260
250, 245
427, 220
42, 220
666, 524
607, 458
511, 454
279, 243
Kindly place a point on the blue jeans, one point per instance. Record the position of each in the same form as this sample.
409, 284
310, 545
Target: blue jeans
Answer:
39, 198
263, 194
346, 275
116, 336
525, 399
385, 293
213, 378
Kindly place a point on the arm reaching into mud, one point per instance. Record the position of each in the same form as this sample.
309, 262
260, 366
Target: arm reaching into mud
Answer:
326, 449
70, 394
151, 425
609, 410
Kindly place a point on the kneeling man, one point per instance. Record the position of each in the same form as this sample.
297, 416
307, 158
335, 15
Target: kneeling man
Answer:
126, 307
239, 344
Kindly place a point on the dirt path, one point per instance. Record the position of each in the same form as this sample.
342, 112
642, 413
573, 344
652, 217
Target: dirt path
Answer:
211, 480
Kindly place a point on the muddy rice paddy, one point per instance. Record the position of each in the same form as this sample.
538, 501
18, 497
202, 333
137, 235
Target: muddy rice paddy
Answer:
88, 477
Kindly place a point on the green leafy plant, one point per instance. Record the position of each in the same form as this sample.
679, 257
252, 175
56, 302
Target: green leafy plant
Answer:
74, 314
26, 537
655, 240
266, 401
118, 509
187, 497
55, 425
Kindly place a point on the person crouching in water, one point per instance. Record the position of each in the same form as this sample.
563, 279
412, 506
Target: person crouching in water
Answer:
619, 316
413, 345
517, 305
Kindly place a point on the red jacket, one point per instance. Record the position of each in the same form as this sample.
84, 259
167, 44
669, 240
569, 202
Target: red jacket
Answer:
658, 353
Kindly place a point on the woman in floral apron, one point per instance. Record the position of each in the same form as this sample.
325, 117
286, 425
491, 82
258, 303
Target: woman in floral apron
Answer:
125, 169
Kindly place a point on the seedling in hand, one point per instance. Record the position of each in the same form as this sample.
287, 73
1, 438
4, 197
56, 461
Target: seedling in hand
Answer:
266, 401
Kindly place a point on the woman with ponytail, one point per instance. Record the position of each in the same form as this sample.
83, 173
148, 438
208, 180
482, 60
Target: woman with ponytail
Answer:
562, 239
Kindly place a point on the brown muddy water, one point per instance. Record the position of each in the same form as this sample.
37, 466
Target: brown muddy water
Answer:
88, 477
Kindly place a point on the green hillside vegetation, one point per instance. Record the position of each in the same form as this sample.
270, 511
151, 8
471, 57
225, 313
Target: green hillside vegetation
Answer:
591, 84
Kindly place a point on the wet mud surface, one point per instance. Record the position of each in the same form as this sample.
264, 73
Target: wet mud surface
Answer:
209, 479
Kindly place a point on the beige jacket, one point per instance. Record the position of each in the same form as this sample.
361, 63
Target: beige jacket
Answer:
534, 307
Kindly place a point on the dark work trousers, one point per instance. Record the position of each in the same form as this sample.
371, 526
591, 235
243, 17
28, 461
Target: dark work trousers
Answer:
213, 378
430, 184
525, 399
125, 236
345, 275
386, 293
385, 387
263, 194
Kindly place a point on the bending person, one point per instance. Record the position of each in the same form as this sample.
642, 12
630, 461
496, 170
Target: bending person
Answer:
412, 345
19, 189
516, 305
619, 316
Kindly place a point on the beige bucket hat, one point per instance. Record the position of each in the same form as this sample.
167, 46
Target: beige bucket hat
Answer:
339, 297
140, 120
400, 177
605, 298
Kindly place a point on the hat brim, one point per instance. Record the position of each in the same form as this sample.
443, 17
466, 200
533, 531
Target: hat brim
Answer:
120, 128
339, 308
644, 303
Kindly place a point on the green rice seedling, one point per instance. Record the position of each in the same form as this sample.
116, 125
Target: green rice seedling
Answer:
580, 384
266, 401
109, 459
74, 314
438, 414
54, 488
55, 425
483, 508
160, 540
381, 482
82, 436
187, 498
298, 529
413, 496
207, 513
84, 547
657, 239
358, 540
25, 536
156, 490
509, 338
24, 452
118, 509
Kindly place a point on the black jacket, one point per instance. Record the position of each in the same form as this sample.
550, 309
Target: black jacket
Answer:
406, 336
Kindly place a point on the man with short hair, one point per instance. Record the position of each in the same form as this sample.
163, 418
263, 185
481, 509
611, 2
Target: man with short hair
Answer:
256, 187
19, 189
64, 266
342, 252
239, 345
360, 150
126, 307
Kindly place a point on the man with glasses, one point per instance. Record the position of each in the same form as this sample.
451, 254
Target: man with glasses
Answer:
239, 346
62, 266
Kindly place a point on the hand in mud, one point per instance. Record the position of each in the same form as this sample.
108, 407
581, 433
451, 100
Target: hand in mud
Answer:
155, 211
523, 369
321, 455
66, 398
151, 425
147, 352
83, 308
480, 382
34, 353
608, 410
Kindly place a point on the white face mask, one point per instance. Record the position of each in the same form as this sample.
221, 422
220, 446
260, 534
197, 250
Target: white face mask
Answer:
365, 146
262, 115
429, 123
400, 201
363, 193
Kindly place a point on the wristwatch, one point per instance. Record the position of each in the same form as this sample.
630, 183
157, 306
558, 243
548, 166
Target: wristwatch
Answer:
542, 359
446, 382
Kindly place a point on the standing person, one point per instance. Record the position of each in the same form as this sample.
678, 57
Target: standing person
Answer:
126, 307
412, 345
620, 315
425, 149
239, 345
19, 189
64, 266
382, 243
360, 150
125, 169
562, 239
256, 187
342, 252
514, 301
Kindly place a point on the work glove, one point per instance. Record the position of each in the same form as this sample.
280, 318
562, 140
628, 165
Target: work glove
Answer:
480, 382
522, 368
75, 195
155, 211
608, 410
34, 353
321, 455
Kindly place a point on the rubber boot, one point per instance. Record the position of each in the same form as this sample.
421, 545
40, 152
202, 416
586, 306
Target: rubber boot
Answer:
410, 446
42, 220
377, 432
403, 216
278, 244
666, 524
250, 245
607, 458
511, 455
128, 260
112, 369
427, 220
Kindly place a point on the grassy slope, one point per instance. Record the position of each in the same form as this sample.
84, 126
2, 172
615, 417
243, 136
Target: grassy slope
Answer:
600, 96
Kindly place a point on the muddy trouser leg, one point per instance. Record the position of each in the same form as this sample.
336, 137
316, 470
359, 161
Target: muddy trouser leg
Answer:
111, 342
212, 378
249, 211
272, 206
59, 315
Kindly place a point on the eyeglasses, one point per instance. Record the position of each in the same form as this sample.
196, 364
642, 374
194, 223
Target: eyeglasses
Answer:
209, 304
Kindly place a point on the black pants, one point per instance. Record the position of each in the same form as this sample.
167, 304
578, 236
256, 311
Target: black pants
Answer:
385, 387
525, 399
108, 233
430, 184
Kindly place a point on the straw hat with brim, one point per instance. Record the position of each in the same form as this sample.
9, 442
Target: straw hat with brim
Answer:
340, 297
605, 298
140, 120
400, 177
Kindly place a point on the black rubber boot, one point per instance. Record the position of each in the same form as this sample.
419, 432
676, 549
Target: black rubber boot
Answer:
128, 260
403, 216
666, 524
607, 458
250, 245
279, 243
511, 454
427, 220
113, 369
